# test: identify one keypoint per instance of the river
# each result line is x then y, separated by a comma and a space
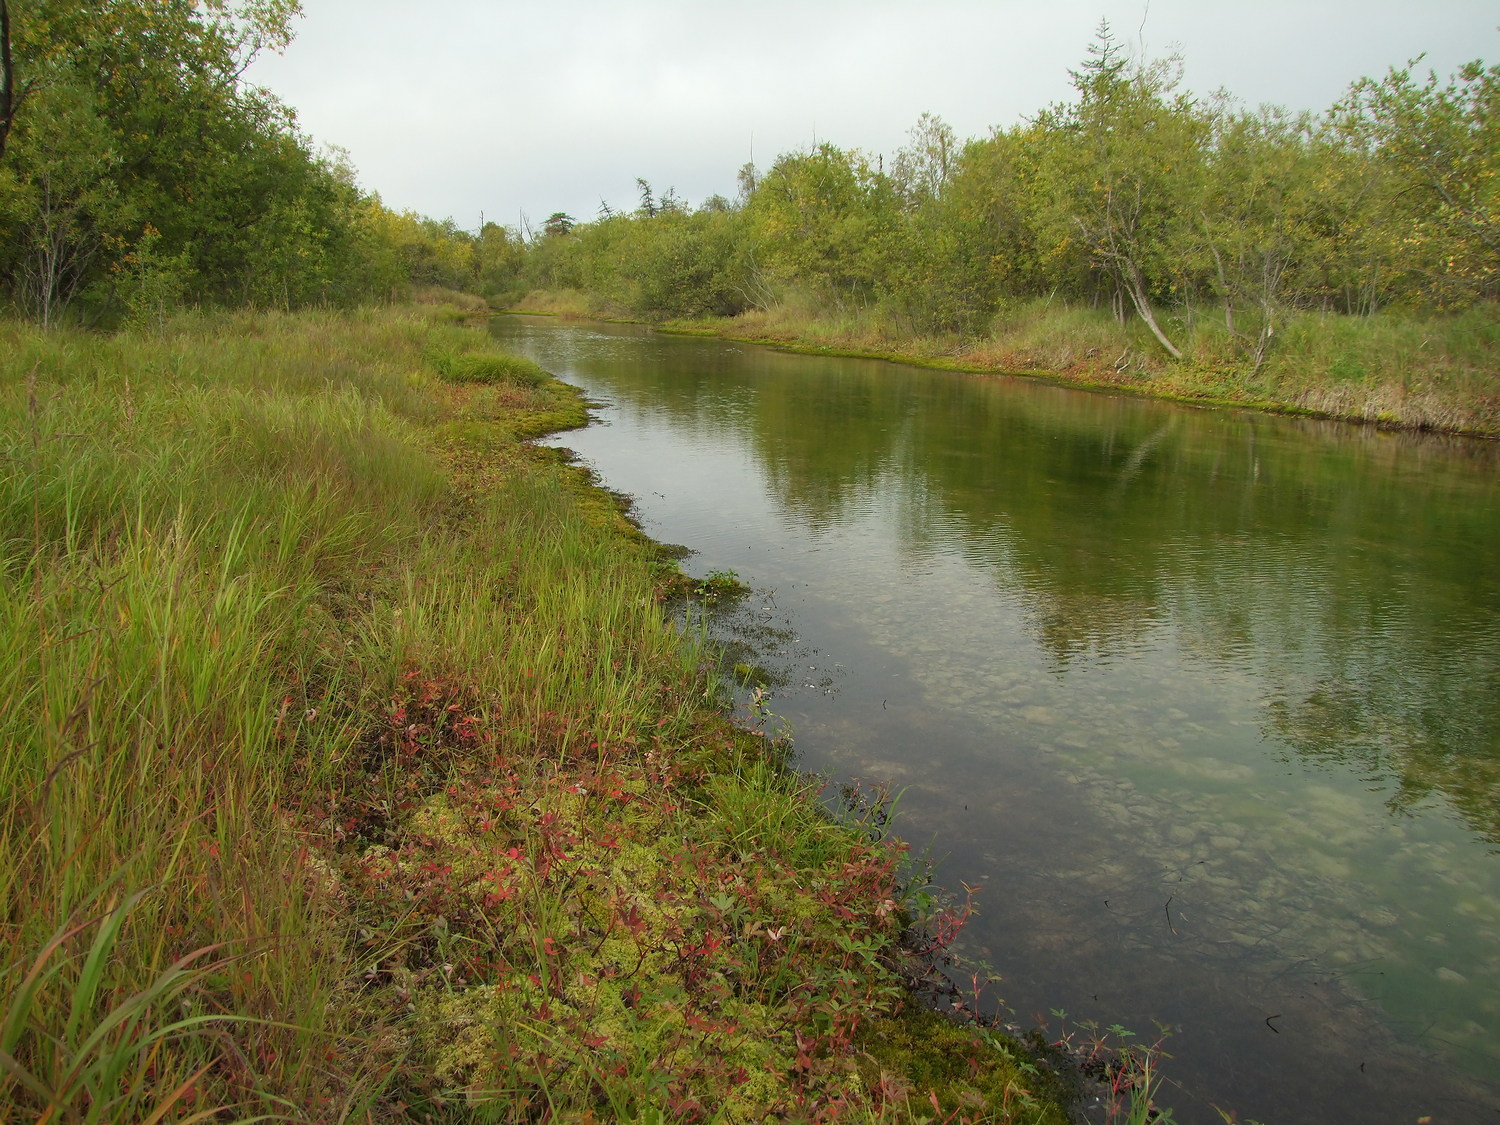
1204, 703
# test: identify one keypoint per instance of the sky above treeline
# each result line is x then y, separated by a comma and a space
512, 111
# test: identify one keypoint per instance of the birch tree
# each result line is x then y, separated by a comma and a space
1122, 164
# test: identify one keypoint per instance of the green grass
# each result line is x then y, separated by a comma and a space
182, 528
486, 367
1398, 368
460, 355
352, 771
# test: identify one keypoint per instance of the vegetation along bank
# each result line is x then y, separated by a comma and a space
354, 772
1136, 236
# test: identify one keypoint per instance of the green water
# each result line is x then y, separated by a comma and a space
1207, 704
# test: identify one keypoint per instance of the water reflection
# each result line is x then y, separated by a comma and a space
1208, 700
1357, 566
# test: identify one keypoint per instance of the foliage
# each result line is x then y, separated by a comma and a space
1440, 146
1119, 169
718, 586
826, 220
1215, 235
558, 224
140, 173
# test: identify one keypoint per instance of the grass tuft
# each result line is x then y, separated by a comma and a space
460, 355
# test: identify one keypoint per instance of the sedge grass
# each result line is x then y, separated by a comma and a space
171, 546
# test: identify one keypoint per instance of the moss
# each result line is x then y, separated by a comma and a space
459, 1033
493, 1041
970, 1070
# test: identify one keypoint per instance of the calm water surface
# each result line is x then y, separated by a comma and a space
1207, 704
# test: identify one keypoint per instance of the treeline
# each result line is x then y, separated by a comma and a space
1188, 213
138, 171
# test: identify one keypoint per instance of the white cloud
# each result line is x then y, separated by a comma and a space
461, 106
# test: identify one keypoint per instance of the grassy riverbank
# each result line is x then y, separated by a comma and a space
1436, 372
352, 771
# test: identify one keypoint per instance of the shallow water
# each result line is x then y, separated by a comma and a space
1206, 703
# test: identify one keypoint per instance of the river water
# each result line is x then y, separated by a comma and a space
1205, 703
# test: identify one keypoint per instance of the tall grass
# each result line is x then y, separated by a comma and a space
1430, 371
182, 522
1398, 368
459, 355
568, 303
221, 546
331, 717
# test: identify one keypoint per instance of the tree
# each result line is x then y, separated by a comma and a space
1122, 164
1254, 221
500, 258
7, 77
922, 168
682, 265
746, 179
65, 207
558, 224
648, 208
826, 220
976, 243
1441, 144
132, 145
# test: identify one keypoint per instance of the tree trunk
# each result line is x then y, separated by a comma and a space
1135, 285
1225, 288
1116, 252
7, 78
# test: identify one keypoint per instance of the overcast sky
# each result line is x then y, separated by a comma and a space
453, 108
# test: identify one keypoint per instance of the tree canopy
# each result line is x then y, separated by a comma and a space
139, 170
1132, 194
